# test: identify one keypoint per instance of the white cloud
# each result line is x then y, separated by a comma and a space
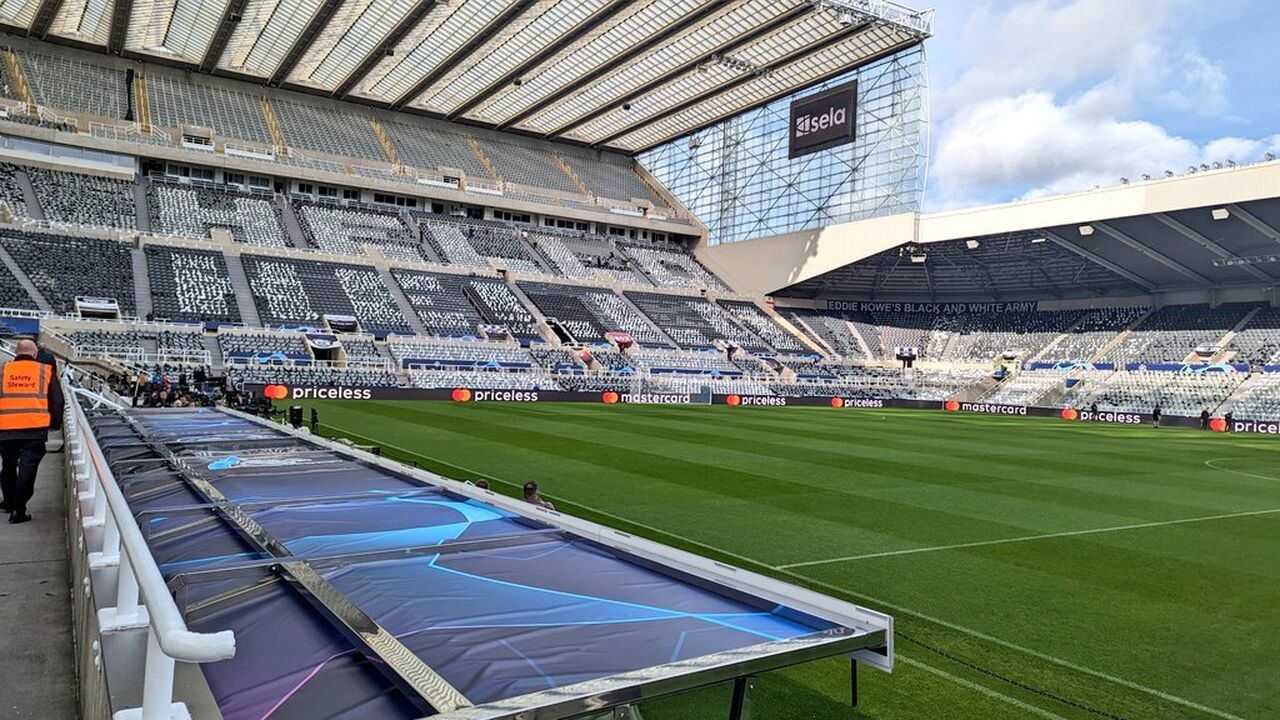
1062, 95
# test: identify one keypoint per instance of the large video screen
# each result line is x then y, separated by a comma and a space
823, 121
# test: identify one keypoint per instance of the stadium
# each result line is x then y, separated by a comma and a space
516, 359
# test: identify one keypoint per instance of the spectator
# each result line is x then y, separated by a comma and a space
532, 497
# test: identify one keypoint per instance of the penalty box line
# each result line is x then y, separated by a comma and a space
1029, 538
1169, 697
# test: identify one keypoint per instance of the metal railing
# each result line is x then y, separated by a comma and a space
142, 599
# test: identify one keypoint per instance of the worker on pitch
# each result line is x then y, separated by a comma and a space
30, 404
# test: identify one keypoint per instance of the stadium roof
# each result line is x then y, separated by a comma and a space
628, 74
1209, 231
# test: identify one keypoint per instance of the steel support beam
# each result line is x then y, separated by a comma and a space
120, 14
324, 13
384, 48
226, 26
47, 11
596, 20
1159, 257
1255, 222
743, 79
1208, 244
729, 47
653, 41
475, 42
1095, 258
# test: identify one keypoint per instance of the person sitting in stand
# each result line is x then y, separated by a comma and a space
532, 497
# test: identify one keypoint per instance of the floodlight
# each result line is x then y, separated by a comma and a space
1191, 169
1204, 167
971, 244
1220, 214
1269, 157
1124, 181
1231, 163
1145, 176
1038, 240
1086, 230
1168, 173
695, 142
1217, 165
919, 259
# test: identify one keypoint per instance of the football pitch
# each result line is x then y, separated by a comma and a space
1036, 568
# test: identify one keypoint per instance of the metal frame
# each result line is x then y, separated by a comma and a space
867, 635
864, 634
740, 183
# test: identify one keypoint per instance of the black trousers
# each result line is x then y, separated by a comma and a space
20, 460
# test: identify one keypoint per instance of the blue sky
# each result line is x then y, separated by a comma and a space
1048, 96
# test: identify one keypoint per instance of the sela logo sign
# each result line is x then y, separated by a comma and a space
810, 124
823, 121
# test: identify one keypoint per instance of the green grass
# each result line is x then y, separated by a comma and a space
1166, 621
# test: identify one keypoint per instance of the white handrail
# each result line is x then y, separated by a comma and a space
175, 639
142, 598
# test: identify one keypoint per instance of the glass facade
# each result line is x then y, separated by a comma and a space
736, 178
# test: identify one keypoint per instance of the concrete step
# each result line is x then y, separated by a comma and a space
547, 333
141, 204
215, 353
34, 210
24, 281
141, 282
244, 295
661, 332
292, 226
406, 308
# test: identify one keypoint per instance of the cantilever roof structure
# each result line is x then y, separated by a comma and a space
627, 74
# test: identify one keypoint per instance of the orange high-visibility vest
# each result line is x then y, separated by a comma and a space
24, 395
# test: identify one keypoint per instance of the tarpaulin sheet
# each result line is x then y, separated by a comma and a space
535, 609
505, 622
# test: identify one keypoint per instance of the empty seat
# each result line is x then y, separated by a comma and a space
63, 268
190, 285
70, 197
193, 210
302, 292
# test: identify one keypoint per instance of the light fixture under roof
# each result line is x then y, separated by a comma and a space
1220, 213
1038, 240
971, 244
1086, 230
919, 259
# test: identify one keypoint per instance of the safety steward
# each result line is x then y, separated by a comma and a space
30, 404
